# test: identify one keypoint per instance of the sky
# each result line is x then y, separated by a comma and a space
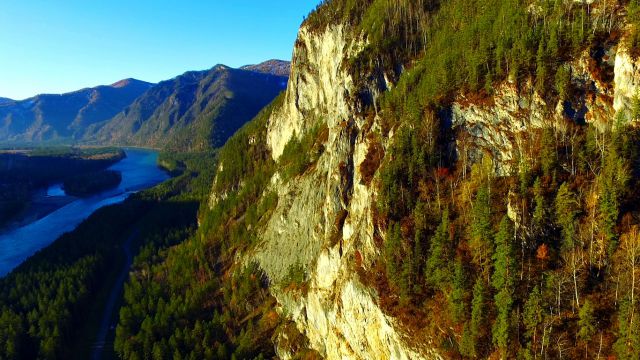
57, 46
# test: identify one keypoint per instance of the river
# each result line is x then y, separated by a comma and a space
139, 171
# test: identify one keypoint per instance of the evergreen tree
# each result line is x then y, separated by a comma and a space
541, 67
563, 81
406, 279
503, 280
392, 249
478, 318
438, 271
532, 317
566, 212
539, 212
587, 321
458, 303
481, 233
467, 342
548, 154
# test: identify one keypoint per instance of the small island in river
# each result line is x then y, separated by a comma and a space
90, 183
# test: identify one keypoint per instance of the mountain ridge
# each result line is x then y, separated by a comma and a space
55, 117
273, 67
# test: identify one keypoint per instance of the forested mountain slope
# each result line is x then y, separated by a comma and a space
195, 111
65, 117
440, 180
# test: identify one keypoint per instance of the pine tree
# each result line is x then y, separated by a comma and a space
438, 273
548, 155
587, 321
481, 229
478, 316
566, 213
541, 68
539, 212
467, 343
406, 279
503, 280
533, 317
563, 81
504, 256
393, 246
457, 300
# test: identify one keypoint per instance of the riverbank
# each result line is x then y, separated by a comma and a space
40, 206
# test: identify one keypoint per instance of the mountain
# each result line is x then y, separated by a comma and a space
67, 116
440, 180
193, 111
5, 101
273, 67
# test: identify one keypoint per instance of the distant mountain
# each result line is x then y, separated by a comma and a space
192, 111
4, 101
67, 116
273, 67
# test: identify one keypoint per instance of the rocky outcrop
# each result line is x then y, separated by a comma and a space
494, 127
501, 125
318, 87
626, 80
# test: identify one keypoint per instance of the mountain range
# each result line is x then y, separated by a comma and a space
191, 111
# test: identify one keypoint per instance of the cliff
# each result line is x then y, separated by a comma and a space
324, 223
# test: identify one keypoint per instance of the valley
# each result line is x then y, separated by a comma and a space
424, 180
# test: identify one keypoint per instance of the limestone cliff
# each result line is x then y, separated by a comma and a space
337, 313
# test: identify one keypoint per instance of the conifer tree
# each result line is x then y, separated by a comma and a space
481, 233
393, 246
458, 302
503, 281
438, 273
533, 312
539, 212
477, 324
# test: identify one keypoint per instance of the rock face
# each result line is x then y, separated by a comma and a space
321, 86
323, 219
626, 80
499, 126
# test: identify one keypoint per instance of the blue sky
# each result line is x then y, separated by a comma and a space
55, 46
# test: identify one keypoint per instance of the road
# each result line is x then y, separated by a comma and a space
106, 324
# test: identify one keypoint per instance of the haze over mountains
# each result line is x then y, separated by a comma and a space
191, 111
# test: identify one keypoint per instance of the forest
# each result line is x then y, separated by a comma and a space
50, 305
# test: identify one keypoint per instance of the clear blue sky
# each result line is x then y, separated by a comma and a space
55, 46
